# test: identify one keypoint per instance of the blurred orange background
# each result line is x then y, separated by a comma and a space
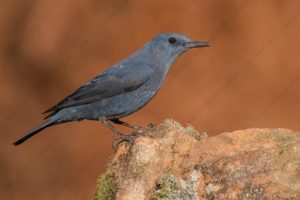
249, 77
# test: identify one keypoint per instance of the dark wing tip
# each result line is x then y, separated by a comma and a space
49, 110
18, 142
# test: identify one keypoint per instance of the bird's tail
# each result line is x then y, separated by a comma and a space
34, 131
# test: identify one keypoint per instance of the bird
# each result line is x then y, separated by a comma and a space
122, 89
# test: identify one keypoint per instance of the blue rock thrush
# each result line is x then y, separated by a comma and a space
122, 89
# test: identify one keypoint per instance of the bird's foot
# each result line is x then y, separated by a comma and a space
124, 138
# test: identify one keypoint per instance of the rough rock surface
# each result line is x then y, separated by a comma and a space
172, 162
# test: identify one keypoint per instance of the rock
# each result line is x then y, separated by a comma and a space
171, 162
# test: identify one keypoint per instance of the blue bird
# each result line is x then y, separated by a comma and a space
122, 89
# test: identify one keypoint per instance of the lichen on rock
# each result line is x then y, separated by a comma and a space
189, 130
107, 187
167, 189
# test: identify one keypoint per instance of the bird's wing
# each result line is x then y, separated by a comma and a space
116, 80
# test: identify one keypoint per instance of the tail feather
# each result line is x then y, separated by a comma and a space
33, 132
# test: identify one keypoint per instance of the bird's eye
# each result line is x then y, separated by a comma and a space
172, 40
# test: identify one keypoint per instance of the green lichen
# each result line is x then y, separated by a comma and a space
171, 123
189, 130
195, 134
167, 189
107, 187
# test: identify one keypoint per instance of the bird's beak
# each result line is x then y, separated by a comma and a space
196, 44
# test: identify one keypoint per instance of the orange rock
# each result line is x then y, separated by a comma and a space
245, 164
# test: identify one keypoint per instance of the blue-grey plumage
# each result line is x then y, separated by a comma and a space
122, 89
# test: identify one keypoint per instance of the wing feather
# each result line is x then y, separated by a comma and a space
116, 80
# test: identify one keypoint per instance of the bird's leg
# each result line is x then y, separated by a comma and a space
118, 121
123, 138
105, 122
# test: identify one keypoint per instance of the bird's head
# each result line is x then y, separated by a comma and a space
168, 46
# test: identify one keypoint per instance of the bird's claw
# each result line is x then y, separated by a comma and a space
123, 138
